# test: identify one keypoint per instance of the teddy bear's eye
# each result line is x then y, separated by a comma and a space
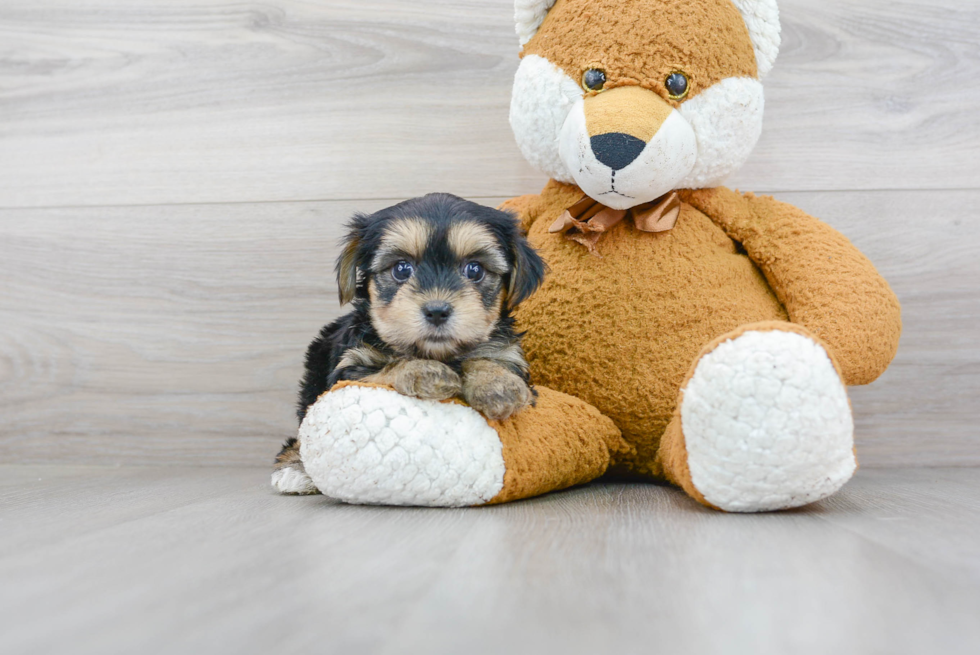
593, 80
677, 85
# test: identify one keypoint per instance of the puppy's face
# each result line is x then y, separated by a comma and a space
436, 289
439, 273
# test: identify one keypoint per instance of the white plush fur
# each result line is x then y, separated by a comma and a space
761, 19
767, 424
529, 14
668, 158
548, 122
374, 446
727, 121
542, 99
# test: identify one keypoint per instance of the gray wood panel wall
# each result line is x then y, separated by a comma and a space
174, 176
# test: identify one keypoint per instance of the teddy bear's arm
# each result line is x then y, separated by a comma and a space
825, 283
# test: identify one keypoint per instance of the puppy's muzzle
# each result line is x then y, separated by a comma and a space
437, 312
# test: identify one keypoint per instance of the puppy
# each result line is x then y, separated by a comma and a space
433, 282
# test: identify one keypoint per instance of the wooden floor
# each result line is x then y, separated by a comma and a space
155, 560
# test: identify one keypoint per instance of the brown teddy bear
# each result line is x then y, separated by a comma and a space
685, 332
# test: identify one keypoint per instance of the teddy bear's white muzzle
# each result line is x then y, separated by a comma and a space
622, 171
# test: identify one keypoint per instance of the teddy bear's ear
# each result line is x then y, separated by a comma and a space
761, 17
529, 14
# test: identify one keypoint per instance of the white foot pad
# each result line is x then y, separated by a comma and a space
767, 424
374, 446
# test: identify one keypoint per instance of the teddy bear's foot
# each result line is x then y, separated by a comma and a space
765, 423
374, 446
367, 444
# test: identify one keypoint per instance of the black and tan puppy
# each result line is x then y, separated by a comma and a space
432, 282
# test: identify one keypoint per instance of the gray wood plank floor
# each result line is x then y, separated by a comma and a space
186, 560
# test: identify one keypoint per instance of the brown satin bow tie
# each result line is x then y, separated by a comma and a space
587, 220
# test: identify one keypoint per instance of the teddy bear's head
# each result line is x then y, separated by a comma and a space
630, 99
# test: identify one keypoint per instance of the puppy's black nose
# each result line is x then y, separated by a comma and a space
617, 150
437, 312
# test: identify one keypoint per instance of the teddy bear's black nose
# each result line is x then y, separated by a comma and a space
437, 312
617, 150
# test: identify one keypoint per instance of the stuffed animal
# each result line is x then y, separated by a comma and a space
685, 332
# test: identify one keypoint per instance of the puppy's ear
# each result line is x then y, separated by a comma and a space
347, 263
528, 272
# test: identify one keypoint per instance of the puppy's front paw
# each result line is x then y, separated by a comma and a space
495, 392
427, 379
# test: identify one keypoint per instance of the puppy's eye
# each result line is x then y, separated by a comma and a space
402, 271
474, 272
593, 80
678, 85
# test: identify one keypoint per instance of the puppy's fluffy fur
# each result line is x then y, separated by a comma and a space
432, 282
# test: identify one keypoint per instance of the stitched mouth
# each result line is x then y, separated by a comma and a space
621, 195
612, 184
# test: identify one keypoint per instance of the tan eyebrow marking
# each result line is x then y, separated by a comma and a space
467, 239
407, 235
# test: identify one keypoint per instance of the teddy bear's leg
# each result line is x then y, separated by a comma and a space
367, 444
763, 422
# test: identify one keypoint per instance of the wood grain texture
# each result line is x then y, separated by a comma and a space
170, 560
110, 102
175, 335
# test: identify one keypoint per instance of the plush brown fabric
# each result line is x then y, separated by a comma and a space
824, 282
523, 207
672, 463
622, 332
642, 43
559, 443
629, 110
